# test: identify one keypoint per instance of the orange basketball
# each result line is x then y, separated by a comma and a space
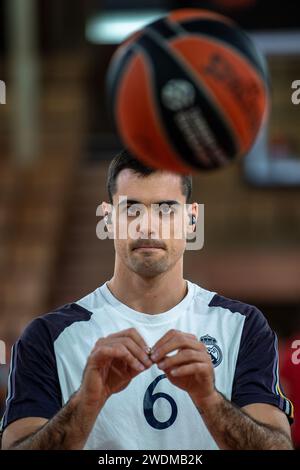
188, 92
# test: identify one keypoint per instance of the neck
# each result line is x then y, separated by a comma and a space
149, 295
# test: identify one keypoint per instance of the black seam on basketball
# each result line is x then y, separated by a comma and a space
198, 82
163, 131
212, 160
179, 31
171, 136
227, 36
114, 90
163, 27
225, 129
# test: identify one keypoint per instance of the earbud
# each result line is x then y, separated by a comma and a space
192, 219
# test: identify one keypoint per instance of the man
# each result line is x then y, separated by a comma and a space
148, 360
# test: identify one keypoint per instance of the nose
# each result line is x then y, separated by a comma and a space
148, 225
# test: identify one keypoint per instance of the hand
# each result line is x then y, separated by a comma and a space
112, 364
190, 368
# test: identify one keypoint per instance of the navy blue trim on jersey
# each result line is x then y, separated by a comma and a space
33, 384
256, 378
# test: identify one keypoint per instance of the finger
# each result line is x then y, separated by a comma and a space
179, 341
134, 335
136, 350
166, 337
133, 347
118, 351
190, 369
124, 370
184, 356
163, 339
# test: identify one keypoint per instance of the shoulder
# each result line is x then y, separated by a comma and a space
251, 313
48, 327
251, 316
255, 326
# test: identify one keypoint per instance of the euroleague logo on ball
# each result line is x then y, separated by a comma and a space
178, 94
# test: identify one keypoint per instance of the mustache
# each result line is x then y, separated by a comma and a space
142, 243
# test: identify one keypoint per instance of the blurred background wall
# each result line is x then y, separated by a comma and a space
56, 141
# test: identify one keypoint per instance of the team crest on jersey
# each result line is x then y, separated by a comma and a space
213, 349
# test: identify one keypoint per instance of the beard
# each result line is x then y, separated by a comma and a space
148, 265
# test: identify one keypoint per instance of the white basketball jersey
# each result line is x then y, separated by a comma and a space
151, 413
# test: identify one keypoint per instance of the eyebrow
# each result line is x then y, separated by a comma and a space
132, 201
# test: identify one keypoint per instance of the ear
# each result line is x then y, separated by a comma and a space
192, 216
105, 208
107, 211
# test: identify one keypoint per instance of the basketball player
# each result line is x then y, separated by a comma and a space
149, 360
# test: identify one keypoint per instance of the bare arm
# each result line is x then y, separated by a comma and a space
256, 427
113, 363
20, 429
68, 429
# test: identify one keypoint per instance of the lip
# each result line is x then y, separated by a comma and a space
149, 248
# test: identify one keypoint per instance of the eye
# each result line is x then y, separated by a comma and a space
166, 209
132, 211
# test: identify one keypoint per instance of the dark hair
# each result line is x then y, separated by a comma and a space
125, 160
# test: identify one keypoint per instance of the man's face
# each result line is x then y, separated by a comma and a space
155, 214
